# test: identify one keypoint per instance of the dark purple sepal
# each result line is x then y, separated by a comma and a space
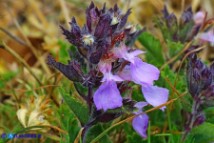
100, 50
193, 78
124, 19
187, 16
103, 26
69, 36
72, 71
75, 29
104, 8
116, 9
165, 12
96, 56
131, 38
88, 16
171, 21
206, 78
209, 92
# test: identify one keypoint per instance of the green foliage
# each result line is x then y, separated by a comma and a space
167, 34
202, 134
69, 123
4, 78
209, 112
185, 30
131, 135
65, 48
79, 109
153, 47
137, 93
174, 47
94, 131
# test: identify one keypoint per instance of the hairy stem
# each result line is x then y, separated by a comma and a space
190, 123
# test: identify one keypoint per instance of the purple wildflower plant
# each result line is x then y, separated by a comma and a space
105, 45
201, 88
181, 29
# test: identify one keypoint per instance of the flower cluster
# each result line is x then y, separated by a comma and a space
179, 29
200, 79
105, 43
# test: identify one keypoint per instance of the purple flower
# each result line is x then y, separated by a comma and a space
143, 74
138, 71
107, 96
141, 120
140, 124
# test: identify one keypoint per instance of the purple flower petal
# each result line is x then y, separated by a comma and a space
109, 76
140, 124
199, 17
140, 105
155, 95
107, 96
136, 53
122, 52
208, 36
142, 72
104, 67
125, 73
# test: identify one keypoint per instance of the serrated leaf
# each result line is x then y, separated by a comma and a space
153, 47
174, 47
79, 109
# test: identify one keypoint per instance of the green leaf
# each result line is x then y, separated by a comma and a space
174, 47
203, 133
94, 131
209, 113
153, 47
64, 51
79, 109
69, 123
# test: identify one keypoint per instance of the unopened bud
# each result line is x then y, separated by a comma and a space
199, 120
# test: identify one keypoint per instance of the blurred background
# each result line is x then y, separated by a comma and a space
37, 21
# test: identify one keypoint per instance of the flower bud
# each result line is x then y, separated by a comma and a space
186, 17
199, 120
